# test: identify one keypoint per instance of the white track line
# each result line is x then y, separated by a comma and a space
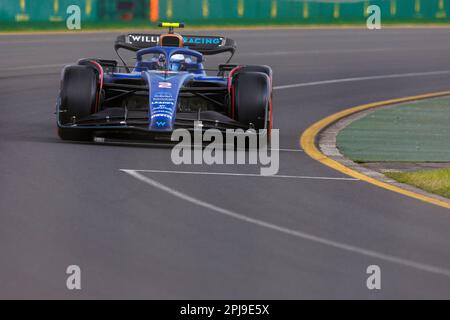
288, 150
314, 52
42, 66
344, 80
290, 86
240, 175
290, 232
102, 141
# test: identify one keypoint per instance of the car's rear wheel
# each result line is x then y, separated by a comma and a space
252, 99
78, 100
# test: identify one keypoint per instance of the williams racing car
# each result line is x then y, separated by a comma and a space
165, 89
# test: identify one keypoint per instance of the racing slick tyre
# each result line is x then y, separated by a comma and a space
264, 69
77, 101
252, 96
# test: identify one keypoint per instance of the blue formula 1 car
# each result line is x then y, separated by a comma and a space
166, 89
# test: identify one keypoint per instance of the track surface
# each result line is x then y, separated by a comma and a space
65, 203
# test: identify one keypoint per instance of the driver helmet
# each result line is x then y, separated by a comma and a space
177, 61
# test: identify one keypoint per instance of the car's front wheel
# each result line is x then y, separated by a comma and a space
78, 99
252, 99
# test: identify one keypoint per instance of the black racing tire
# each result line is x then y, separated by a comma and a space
252, 94
254, 68
78, 99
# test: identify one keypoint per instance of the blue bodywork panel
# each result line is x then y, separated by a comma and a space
163, 96
165, 83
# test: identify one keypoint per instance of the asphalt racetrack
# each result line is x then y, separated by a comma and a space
157, 234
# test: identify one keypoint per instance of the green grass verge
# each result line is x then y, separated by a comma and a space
434, 181
409, 132
44, 26
10, 27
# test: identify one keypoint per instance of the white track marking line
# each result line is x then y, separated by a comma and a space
56, 40
240, 175
290, 232
102, 141
381, 77
288, 150
42, 66
290, 86
314, 52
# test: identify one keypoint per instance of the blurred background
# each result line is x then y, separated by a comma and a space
51, 14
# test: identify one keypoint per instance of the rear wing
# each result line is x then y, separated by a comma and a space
207, 45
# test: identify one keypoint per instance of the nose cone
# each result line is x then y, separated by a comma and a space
160, 123
163, 96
